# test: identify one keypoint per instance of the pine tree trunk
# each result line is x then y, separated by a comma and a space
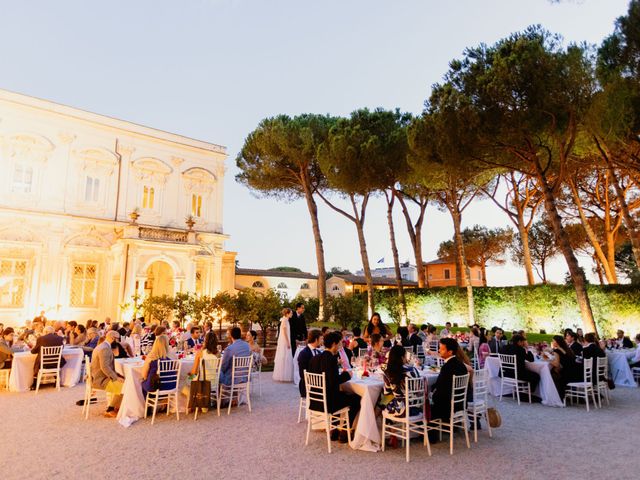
562, 240
526, 251
465, 277
322, 271
415, 235
365, 258
598, 270
396, 261
483, 269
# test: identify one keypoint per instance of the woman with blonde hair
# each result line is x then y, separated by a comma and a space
159, 351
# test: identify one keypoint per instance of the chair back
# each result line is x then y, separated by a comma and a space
316, 389
169, 373
362, 352
459, 393
420, 351
588, 369
602, 369
409, 350
480, 385
433, 346
87, 371
508, 366
414, 394
211, 369
300, 344
241, 372
135, 344
439, 361
50, 357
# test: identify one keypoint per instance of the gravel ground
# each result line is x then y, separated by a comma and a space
44, 437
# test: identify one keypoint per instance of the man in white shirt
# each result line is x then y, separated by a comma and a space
446, 331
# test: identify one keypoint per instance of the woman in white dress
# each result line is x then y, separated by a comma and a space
283, 363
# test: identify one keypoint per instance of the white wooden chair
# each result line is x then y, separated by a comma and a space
50, 358
582, 390
478, 408
317, 392
509, 374
169, 373
256, 373
602, 386
636, 374
420, 352
4, 378
301, 408
240, 382
458, 414
210, 370
434, 345
402, 427
409, 350
439, 361
89, 391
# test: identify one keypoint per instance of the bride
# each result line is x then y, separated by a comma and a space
283, 363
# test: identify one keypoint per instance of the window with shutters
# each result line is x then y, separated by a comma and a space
196, 205
148, 197
12, 282
22, 178
84, 285
91, 189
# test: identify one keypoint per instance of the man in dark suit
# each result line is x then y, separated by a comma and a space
298, 326
441, 398
48, 339
517, 347
592, 350
622, 341
327, 363
572, 341
497, 343
305, 356
414, 338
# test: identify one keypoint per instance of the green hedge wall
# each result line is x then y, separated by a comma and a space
532, 308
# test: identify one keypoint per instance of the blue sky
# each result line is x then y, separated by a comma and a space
212, 69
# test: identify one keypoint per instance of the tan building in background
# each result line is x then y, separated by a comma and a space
442, 273
346, 284
93, 210
291, 284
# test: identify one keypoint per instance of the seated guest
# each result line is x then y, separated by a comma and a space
148, 337
404, 336
563, 366
635, 361
175, 328
324, 330
474, 341
592, 350
483, 349
414, 338
6, 352
237, 348
159, 351
376, 325
518, 348
70, 331
48, 339
103, 373
80, 336
622, 341
580, 336
92, 341
441, 397
209, 350
194, 339
357, 342
572, 342
306, 354
432, 334
121, 350
423, 332
256, 351
394, 373
327, 363
497, 343
446, 331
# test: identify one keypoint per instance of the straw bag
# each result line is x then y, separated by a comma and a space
495, 420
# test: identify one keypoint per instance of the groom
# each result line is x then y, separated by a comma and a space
297, 326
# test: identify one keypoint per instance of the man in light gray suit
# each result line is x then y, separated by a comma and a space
103, 373
238, 348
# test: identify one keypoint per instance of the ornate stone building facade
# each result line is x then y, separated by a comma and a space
94, 210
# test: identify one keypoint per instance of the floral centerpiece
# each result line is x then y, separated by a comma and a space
541, 347
461, 337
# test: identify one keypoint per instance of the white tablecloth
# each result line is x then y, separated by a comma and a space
132, 406
546, 389
21, 375
367, 432
619, 368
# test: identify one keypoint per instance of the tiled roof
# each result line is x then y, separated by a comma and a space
381, 281
274, 273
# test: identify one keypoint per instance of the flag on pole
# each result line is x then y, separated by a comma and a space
381, 260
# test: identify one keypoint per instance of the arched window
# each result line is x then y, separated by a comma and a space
336, 288
282, 285
304, 286
257, 284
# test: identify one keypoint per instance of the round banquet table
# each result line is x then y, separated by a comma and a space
619, 368
132, 406
367, 432
21, 375
546, 389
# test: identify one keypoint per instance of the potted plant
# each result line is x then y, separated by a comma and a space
190, 221
134, 215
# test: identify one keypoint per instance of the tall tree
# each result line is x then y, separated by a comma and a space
531, 95
542, 247
349, 158
481, 247
520, 204
279, 159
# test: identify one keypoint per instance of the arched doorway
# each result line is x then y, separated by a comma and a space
159, 279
